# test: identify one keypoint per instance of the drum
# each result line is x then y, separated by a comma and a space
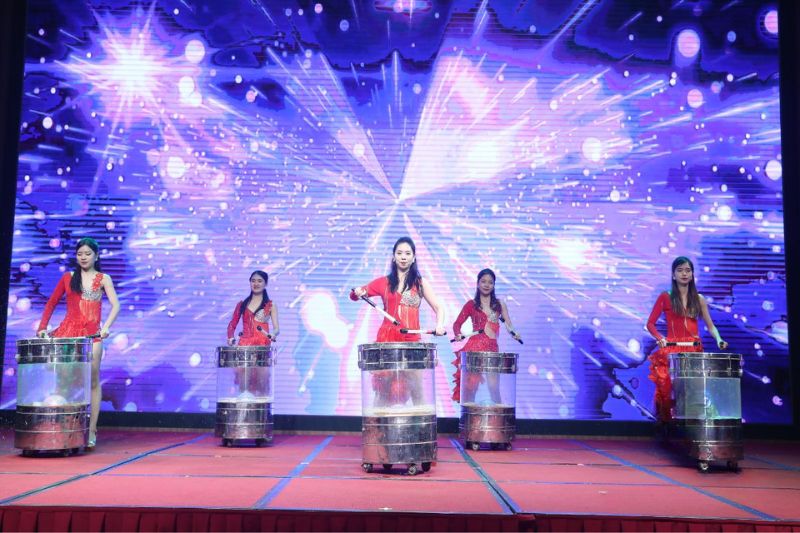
398, 393
488, 399
245, 385
53, 394
707, 421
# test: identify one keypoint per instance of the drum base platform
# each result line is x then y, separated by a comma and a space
399, 440
62, 429
708, 441
489, 426
244, 421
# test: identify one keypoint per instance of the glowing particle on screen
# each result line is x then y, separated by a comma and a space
626, 73
250, 96
776, 400
731, 36
553, 105
320, 315
176, 168
563, 411
742, 170
417, 88
55, 243
120, 341
771, 22
688, 43
767, 305
729, 77
24, 267
630, 37
130, 407
344, 25
716, 87
195, 51
195, 359
204, 403
153, 156
765, 380
317, 8
596, 322
664, 249
592, 149
694, 98
773, 169
238, 78
358, 150
634, 346
776, 248
724, 213
47, 123
533, 369
659, 18
614, 196
23, 304
254, 146
288, 12
185, 86
673, 82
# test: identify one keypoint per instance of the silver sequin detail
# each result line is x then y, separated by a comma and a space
260, 315
492, 316
410, 299
91, 294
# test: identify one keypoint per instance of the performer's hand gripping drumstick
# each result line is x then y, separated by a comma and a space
511, 331
273, 338
389, 317
467, 336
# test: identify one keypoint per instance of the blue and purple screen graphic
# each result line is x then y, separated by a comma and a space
575, 147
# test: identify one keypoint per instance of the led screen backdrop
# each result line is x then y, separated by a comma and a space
576, 147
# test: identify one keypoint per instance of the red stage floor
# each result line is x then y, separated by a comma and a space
176, 480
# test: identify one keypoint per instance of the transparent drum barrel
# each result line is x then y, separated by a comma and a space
398, 392
488, 398
53, 394
245, 385
706, 389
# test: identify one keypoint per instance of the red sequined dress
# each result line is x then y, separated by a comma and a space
680, 328
391, 387
404, 307
83, 309
250, 322
477, 343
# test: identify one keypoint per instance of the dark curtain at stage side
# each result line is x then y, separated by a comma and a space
12, 39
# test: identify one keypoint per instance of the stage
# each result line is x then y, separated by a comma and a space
148, 480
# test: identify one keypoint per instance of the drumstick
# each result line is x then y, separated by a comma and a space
511, 331
405, 331
468, 335
267, 335
683, 343
389, 317
93, 336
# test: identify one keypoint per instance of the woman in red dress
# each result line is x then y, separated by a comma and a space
255, 311
402, 292
84, 288
485, 311
682, 305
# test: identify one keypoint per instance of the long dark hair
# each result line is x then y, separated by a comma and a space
76, 284
494, 304
413, 278
692, 297
264, 297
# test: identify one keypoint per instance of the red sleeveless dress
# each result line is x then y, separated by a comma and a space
250, 322
477, 343
680, 328
404, 307
83, 309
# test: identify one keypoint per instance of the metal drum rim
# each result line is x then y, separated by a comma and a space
487, 354
236, 349
397, 346
705, 355
36, 341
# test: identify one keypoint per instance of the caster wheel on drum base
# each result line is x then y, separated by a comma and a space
733, 466
65, 453
28, 453
227, 443
367, 467
475, 446
387, 467
412, 469
507, 446
702, 466
426, 467
260, 442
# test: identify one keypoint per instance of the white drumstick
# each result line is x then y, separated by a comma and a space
683, 343
405, 331
267, 335
468, 335
389, 317
511, 331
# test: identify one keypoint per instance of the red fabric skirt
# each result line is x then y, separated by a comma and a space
659, 374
